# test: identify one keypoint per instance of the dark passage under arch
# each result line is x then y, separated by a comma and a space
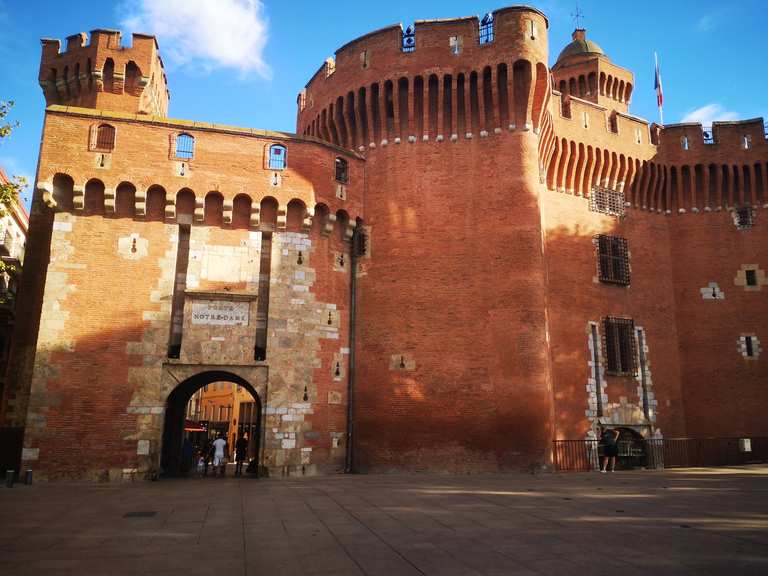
175, 415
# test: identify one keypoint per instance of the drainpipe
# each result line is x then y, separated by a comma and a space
349, 462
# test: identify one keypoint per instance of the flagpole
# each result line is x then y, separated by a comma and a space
658, 80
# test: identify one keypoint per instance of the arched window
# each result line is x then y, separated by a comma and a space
277, 159
342, 170
185, 146
105, 138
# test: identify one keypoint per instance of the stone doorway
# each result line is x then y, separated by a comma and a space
172, 458
633, 451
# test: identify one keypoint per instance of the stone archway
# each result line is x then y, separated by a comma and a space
633, 452
189, 379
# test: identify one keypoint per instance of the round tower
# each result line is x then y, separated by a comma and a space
452, 357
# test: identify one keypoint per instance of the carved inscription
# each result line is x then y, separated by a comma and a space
220, 313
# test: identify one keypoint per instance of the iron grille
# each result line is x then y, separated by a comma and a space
105, 138
607, 201
277, 157
342, 170
486, 29
744, 218
409, 39
185, 146
619, 345
613, 259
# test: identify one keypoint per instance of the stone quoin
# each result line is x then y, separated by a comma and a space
461, 255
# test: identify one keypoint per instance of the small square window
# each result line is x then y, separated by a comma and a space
185, 146
342, 170
607, 201
277, 160
105, 138
486, 29
455, 43
744, 217
613, 259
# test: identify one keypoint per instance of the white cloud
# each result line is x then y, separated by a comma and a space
710, 113
204, 33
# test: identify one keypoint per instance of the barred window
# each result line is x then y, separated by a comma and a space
607, 201
185, 146
277, 157
342, 170
613, 259
486, 29
744, 218
409, 39
105, 138
619, 345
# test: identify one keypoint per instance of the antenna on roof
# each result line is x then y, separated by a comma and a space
578, 16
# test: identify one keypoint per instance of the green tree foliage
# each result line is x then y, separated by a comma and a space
9, 191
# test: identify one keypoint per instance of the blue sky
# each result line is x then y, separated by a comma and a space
242, 62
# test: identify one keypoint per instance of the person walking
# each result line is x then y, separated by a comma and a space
241, 447
610, 438
219, 454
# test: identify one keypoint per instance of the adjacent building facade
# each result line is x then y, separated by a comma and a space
461, 255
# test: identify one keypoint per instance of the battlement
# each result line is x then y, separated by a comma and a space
449, 73
735, 136
99, 72
601, 119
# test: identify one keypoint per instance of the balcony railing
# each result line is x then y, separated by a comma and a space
585, 455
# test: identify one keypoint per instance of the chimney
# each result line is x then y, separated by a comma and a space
579, 34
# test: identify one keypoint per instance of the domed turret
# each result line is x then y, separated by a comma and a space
580, 46
583, 70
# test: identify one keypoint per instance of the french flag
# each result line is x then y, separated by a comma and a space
657, 84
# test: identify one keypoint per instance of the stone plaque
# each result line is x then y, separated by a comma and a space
220, 312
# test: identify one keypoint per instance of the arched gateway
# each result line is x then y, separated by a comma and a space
176, 408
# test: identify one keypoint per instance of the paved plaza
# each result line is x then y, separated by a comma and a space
694, 521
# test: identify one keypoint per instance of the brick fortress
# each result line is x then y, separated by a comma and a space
461, 255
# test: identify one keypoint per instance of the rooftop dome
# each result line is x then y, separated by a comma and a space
580, 46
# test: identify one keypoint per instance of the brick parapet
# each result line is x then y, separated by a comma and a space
308, 177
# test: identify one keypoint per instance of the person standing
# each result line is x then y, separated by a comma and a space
610, 440
241, 447
219, 454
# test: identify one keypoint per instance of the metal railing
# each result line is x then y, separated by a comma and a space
585, 455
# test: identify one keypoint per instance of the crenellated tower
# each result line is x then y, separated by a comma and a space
105, 75
452, 355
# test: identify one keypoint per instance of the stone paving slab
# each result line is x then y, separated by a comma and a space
694, 521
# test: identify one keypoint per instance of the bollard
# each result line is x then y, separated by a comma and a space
28, 478
9, 476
